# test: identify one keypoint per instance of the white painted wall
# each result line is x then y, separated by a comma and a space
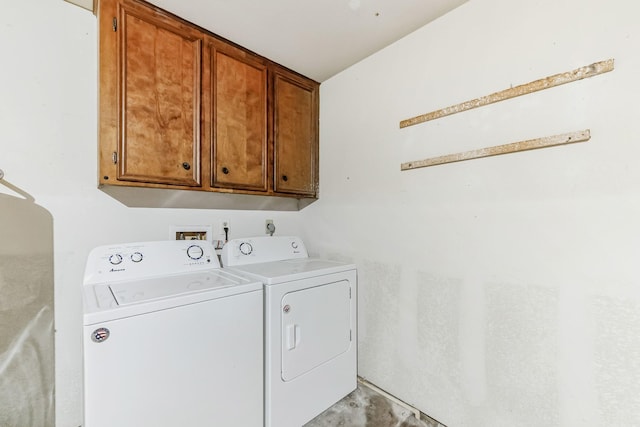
495, 292
48, 146
500, 292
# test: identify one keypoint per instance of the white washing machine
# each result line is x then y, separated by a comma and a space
170, 339
310, 325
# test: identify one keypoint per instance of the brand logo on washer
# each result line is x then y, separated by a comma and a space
100, 335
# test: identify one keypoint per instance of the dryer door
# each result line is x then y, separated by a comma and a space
315, 327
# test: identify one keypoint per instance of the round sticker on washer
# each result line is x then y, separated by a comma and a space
100, 335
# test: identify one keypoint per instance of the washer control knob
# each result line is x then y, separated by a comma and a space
195, 252
115, 259
246, 248
136, 257
294, 244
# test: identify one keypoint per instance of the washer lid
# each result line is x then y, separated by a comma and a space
164, 287
117, 300
272, 273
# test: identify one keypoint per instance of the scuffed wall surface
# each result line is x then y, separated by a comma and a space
520, 354
499, 292
617, 358
26, 314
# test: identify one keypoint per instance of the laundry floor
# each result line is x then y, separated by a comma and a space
365, 407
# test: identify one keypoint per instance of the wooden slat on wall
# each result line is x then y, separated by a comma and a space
532, 144
537, 85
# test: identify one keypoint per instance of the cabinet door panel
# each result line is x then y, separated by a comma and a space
240, 123
296, 137
159, 86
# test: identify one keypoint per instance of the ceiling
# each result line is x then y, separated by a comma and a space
317, 38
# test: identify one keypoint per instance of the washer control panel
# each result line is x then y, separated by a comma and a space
253, 250
132, 261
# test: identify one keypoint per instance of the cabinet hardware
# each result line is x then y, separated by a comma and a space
115, 24
225, 171
186, 166
285, 178
114, 157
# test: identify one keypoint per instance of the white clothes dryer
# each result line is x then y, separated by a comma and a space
170, 339
310, 325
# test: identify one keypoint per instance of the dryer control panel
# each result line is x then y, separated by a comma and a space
253, 250
135, 261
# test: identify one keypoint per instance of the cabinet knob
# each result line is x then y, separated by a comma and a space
285, 178
225, 170
186, 166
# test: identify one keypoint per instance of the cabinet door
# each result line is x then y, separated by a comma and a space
295, 135
239, 122
159, 69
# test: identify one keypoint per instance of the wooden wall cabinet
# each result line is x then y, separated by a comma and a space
239, 134
183, 109
295, 118
150, 86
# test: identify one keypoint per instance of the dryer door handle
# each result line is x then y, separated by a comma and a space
293, 336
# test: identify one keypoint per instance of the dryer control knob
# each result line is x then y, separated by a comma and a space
115, 259
246, 248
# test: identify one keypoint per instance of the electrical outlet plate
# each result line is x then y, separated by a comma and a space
267, 222
226, 223
191, 232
